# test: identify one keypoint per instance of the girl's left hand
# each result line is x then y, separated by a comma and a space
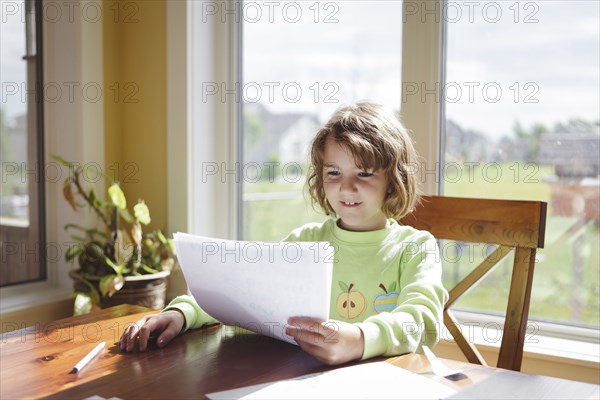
331, 342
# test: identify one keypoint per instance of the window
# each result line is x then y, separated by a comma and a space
301, 61
522, 121
22, 212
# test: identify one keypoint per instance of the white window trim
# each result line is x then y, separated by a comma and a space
202, 129
422, 66
543, 338
73, 129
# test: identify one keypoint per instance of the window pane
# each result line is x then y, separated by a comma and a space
22, 231
301, 61
522, 122
13, 119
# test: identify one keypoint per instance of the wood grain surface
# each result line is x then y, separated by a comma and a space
35, 363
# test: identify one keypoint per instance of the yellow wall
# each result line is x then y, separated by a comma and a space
135, 106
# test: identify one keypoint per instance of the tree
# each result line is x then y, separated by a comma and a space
5, 148
530, 139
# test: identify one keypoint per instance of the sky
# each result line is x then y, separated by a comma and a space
534, 61
12, 67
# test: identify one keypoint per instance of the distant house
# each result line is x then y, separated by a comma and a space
573, 155
283, 137
575, 184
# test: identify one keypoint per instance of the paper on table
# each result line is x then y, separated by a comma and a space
377, 380
505, 384
257, 285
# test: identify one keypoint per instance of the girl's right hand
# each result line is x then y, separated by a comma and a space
166, 325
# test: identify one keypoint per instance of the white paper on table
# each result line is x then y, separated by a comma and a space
257, 285
377, 380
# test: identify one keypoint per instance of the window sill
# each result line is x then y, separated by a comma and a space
537, 346
546, 352
21, 297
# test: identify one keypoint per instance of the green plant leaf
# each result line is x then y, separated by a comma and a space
117, 268
171, 246
343, 286
141, 212
161, 237
94, 250
75, 226
149, 244
125, 215
117, 196
148, 269
73, 252
392, 287
61, 160
83, 304
96, 202
111, 284
92, 195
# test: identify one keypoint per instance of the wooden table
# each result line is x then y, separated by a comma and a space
35, 362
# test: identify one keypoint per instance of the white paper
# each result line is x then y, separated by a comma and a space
377, 380
257, 285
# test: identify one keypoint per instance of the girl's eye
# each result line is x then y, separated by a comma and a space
365, 174
333, 173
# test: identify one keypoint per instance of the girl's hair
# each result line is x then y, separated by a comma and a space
377, 140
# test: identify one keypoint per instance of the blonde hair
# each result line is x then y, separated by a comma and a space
377, 140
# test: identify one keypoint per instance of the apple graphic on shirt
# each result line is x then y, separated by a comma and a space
387, 301
350, 304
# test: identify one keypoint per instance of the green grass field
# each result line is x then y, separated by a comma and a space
556, 294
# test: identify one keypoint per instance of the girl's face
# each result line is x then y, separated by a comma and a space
355, 195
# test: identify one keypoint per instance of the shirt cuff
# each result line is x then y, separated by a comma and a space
189, 314
374, 343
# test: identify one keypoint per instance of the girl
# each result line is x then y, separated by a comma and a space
387, 296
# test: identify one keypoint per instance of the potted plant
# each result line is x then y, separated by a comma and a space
116, 265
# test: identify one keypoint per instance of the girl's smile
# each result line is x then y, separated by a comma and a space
350, 204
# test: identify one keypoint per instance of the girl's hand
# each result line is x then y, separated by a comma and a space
331, 342
167, 325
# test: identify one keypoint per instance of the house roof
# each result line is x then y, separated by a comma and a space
567, 148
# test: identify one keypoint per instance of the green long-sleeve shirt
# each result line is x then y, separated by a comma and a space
388, 282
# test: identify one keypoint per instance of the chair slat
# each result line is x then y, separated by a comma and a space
469, 350
517, 310
507, 222
477, 274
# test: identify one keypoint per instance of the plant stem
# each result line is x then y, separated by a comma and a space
87, 198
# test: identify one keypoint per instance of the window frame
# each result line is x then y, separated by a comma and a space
74, 130
34, 268
435, 140
205, 129
423, 62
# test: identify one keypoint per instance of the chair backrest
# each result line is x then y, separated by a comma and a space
509, 224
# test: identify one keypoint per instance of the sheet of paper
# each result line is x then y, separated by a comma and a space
504, 384
257, 285
378, 380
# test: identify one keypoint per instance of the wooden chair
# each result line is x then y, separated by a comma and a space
518, 225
